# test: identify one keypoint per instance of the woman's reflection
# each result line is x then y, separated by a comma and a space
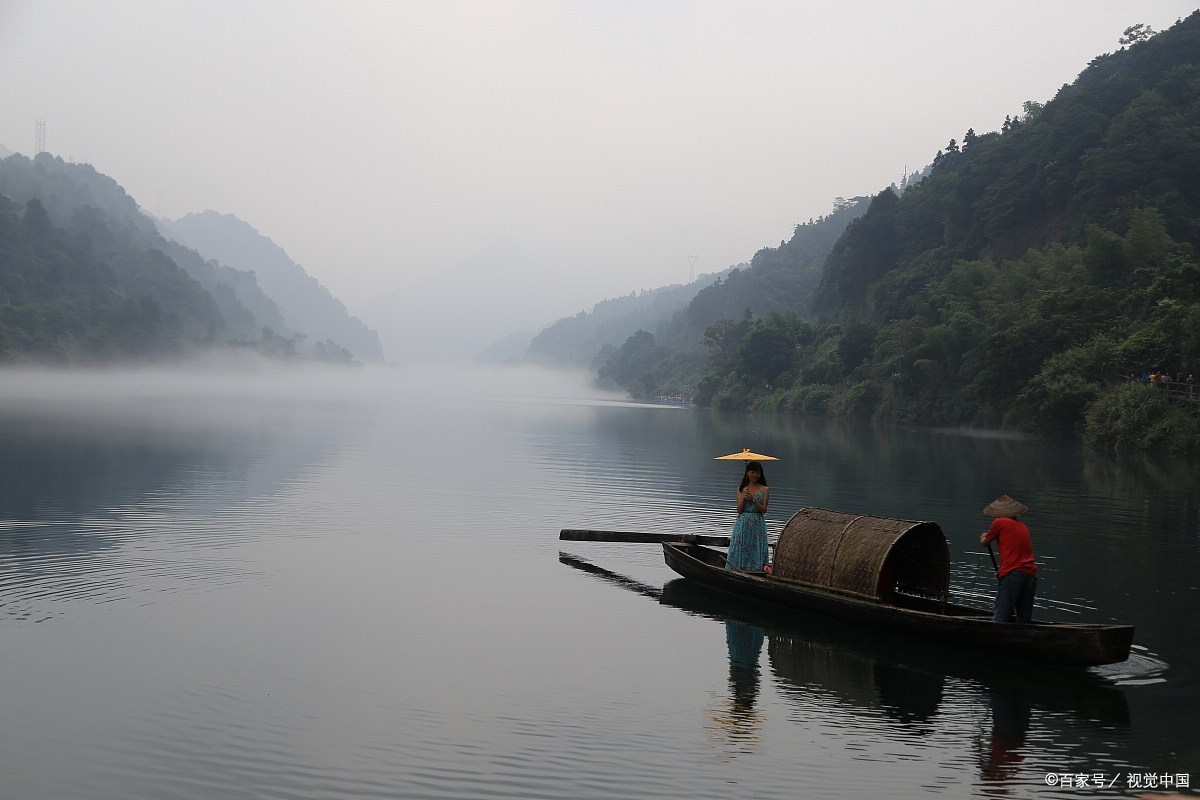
737, 719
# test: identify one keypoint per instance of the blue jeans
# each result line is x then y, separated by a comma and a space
1015, 596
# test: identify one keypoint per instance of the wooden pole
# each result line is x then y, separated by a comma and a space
634, 537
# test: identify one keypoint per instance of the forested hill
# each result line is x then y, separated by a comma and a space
575, 342
777, 280
85, 277
653, 344
305, 304
1123, 137
1016, 283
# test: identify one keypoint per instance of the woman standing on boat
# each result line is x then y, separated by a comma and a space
1017, 571
748, 544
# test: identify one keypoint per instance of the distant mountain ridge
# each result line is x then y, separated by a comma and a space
653, 343
575, 342
306, 306
92, 205
86, 277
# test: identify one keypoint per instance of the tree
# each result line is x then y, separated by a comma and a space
38, 228
1105, 254
767, 349
633, 364
865, 253
1136, 33
723, 338
1147, 242
855, 346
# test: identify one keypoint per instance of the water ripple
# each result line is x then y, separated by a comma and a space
369, 603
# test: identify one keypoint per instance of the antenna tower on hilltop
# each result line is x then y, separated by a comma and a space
39, 136
692, 269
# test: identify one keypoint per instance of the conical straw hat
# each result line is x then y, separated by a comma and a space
1004, 506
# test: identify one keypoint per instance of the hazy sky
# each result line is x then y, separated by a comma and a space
601, 144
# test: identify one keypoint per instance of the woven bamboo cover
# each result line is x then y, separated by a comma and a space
869, 556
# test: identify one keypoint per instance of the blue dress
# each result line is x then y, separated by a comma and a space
748, 544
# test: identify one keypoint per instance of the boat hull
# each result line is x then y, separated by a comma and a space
1044, 642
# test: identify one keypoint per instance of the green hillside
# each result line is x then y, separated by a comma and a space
85, 278
666, 355
576, 342
1017, 283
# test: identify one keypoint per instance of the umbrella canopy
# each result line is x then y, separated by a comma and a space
745, 455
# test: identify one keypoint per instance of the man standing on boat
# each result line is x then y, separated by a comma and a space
1017, 570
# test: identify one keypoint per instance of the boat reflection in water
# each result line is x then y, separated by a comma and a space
811, 666
839, 676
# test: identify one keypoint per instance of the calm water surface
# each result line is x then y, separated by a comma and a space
315, 585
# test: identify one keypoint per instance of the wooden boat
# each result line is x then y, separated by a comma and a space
891, 574
867, 668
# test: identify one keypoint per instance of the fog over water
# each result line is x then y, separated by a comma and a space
230, 377
266, 581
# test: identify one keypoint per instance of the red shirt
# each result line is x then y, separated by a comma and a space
1016, 548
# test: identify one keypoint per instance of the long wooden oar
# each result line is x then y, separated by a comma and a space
634, 537
992, 553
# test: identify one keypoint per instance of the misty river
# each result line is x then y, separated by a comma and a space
348, 584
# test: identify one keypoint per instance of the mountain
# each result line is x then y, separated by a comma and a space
574, 342
1124, 136
86, 277
109, 225
667, 356
779, 279
1026, 282
666, 326
304, 304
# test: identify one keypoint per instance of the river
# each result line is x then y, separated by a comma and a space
346, 584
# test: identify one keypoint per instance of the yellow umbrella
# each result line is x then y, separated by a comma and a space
745, 455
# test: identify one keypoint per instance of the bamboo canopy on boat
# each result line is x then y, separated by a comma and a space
866, 556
